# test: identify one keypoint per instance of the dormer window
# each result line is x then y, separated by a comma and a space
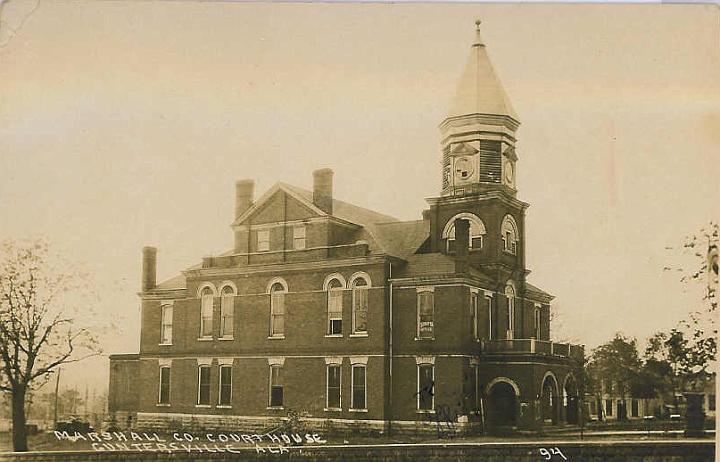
510, 235
263, 240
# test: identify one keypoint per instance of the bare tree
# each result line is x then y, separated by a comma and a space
44, 318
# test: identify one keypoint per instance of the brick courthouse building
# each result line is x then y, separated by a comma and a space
352, 317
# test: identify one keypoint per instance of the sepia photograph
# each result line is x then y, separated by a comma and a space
351, 231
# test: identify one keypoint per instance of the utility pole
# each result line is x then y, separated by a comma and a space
57, 384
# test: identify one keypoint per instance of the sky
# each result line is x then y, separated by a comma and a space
125, 124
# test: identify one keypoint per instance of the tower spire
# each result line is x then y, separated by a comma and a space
478, 38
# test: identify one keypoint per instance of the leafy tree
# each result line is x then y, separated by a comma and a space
44, 323
685, 363
614, 365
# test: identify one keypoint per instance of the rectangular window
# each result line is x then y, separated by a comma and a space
511, 316
164, 394
276, 386
537, 323
360, 309
335, 311
227, 313
426, 384
608, 407
206, 315
333, 386
263, 240
426, 313
475, 319
635, 408
203, 385
358, 387
299, 237
489, 300
473, 400
225, 396
277, 310
711, 402
166, 324
476, 242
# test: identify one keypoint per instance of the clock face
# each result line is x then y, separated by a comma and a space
509, 173
464, 168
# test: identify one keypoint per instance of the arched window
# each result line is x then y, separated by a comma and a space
477, 231
206, 312
360, 284
227, 311
334, 288
510, 235
277, 309
510, 294
538, 321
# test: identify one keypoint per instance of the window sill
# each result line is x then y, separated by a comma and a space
358, 410
206, 406
164, 344
205, 339
226, 338
333, 335
275, 408
276, 337
507, 252
420, 339
162, 405
359, 335
223, 406
425, 411
333, 409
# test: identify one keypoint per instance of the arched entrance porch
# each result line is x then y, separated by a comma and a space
549, 399
502, 403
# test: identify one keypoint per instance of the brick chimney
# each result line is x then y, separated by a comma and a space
243, 196
323, 190
462, 240
149, 268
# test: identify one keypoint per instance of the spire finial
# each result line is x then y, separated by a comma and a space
478, 39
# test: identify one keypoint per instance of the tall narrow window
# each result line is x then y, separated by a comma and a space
359, 397
276, 386
489, 302
333, 386
510, 235
426, 385
334, 307
510, 321
164, 393
277, 310
360, 287
225, 395
426, 313
475, 318
473, 400
537, 322
263, 240
206, 313
203, 385
227, 312
166, 324
299, 237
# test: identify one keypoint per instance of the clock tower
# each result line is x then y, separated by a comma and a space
479, 175
478, 134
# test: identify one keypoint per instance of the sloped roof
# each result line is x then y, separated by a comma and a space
480, 90
345, 211
401, 238
538, 292
177, 282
